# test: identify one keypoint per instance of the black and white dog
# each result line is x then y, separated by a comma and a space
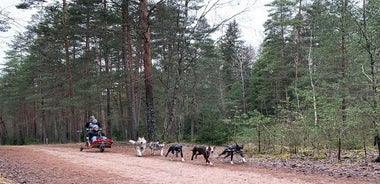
230, 150
139, 145
177, 148
206, 151
156, 145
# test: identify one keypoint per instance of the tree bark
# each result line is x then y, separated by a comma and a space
311, 71
298, 59
147, 58
3, 131
69, 76
128, 65
343, 74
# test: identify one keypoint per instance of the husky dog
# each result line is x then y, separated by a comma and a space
156, 145
139, 145
230, 150
177, 149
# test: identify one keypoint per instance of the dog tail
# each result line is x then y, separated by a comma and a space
132, 141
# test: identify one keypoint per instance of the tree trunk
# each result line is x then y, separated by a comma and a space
69, 77
3, 130
243, 95
339, 147
343, 74
67, 54
259, 137
311, 71
371, 54
128, 66
147, 58
122, 127
298, 59
107, 119
193, 115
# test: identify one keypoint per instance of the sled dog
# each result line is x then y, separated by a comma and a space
139, 145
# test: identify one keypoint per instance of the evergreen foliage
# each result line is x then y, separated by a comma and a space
313, 83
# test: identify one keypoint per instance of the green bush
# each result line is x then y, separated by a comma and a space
216, 135
352, 143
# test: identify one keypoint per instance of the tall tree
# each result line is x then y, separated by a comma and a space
129, 67
234, 68
366, 20
343, 31
147, 58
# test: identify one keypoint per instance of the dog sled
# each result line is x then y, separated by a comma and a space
101, 142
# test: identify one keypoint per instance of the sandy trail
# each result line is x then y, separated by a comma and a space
66, 164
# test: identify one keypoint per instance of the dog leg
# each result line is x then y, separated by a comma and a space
172, 154
224, 152
139, 153
206, 158
162, 152
169, 150
182, 157
194, 154
228, 155
142, 150
242, 156
232, 157
209, 162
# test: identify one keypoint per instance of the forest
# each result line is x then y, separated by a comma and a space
152, 68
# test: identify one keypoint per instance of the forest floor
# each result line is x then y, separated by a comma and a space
65, 163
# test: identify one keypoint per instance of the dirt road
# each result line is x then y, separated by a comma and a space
66, 164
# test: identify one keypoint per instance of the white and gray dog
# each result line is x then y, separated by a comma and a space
156, 145
139, 145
